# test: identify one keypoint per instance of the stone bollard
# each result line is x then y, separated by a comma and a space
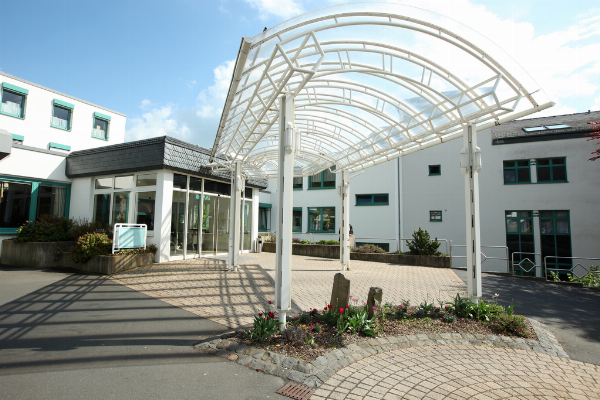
374, 300
340, 291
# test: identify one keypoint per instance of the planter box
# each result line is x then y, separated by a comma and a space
31, 254
328, 251
41, 255
106, 265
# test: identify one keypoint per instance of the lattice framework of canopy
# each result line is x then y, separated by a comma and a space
371, 82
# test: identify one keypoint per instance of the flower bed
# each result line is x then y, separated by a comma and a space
312, 334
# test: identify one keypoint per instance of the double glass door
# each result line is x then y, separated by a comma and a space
215, 225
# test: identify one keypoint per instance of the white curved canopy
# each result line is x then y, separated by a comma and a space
372, 82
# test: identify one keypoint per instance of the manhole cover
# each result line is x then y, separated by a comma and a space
296, 391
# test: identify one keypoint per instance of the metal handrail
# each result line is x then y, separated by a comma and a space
483, 254
520, 262
571, 270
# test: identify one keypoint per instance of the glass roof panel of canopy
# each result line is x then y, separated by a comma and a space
372, 82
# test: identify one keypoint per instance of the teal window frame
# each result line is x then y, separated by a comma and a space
551, 166
65, 106
296, 209
434, 173
373, 202
105, 118
53, 145
554, 262
519, 220
431, 219
18, 91
35, 184
516, 168
265, 206
322, 173
301, 183
321, 220
384, 246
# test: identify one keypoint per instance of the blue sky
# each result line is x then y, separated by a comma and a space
167, 64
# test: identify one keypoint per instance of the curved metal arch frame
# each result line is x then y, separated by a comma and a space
253, 118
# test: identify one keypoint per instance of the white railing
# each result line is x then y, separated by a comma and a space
526, 260
483, 255
11, 108
60, 123
99, 133
569, 270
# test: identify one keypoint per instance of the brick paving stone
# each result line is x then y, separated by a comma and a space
464, 372
204, 287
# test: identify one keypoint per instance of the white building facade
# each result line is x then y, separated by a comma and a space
46, 126
538, 195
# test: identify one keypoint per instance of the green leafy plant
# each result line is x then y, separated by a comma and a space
422, 244
462, 307
402, 309
368, 248
553, 276
359, 322
329, 242
316, 328
265, 325
309, 341
45, 228
420, 313
82, 226
304, 242
90, 245
510, 325
592, 279
304, 318
342, 323
329, 315
427, 307
450, 318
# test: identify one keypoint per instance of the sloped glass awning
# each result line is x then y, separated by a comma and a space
372, 82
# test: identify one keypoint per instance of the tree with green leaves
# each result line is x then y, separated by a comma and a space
422, 245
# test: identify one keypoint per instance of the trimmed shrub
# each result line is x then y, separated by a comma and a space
90, 245
46, 228
422, 245
329, 242
510, 325
83, 226
368, 248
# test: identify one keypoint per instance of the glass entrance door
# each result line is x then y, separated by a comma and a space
215, 225
177, 223
193, 233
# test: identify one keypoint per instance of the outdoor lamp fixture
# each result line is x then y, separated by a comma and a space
464, 160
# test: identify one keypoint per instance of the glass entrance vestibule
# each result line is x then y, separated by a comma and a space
200, 217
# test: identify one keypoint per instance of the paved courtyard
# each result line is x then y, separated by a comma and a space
205, 288
462, 372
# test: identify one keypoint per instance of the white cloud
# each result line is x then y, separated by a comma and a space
196, 124
212, 99
276, 8
158, 122
145, 104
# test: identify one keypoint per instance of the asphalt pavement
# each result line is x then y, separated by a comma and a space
571, 313
71, 336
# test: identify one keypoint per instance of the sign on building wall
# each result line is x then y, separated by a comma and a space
129, 236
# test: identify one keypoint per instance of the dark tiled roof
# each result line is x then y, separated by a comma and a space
156, 153
512, 132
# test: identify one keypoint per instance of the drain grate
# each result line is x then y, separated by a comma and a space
296, 391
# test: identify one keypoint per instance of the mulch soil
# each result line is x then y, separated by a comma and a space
326, 339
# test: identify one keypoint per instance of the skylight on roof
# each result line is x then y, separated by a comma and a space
557, 126
535, 129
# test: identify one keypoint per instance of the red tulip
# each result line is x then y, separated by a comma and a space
341, 310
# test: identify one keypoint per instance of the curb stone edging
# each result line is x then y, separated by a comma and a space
315, 372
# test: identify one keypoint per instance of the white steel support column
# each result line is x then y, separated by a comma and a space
344, 192
234, 215
242, 209
285, 179
470, 165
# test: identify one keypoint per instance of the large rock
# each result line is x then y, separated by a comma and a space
374, 300
340, 291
